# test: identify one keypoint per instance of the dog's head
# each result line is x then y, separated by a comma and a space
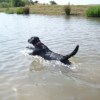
33, 40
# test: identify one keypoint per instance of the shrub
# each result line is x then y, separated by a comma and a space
20, 10
26, 10
67, 9
53, 3
36, 1
93, 11
9, 11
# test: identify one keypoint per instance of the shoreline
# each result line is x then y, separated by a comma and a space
76, 10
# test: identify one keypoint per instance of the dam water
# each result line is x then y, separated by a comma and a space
24, 77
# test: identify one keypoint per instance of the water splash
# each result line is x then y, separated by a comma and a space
37, 60
16, 94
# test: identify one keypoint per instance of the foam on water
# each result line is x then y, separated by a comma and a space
41, 61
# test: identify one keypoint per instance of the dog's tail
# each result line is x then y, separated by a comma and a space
72, 53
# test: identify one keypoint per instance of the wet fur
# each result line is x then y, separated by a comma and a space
43, 51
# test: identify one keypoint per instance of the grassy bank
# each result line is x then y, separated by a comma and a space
54, 9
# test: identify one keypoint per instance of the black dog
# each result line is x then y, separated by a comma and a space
43, 51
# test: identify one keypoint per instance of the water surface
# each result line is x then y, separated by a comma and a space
23, 77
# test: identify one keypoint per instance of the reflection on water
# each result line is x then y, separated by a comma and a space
23, 77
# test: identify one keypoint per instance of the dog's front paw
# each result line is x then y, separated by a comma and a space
30, 47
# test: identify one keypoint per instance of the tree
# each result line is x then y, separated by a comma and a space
53, 3
17, 3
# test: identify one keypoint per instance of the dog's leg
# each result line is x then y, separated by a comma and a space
30, 48
35, 52
30, 53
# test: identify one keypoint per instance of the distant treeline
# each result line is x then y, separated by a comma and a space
8, 1
26, 1
19, 3
5, 3
13, 3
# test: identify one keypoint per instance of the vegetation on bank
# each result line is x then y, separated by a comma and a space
15, 3
24, 10
9, 11
53, 3
20, 11
54, 9
93, 11
18, 6
67, 9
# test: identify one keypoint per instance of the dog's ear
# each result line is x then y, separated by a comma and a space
32, 38
36, 38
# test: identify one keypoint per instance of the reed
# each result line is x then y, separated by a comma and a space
26, 10
67, 9
93, 11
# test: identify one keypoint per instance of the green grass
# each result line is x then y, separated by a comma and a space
9, 11
93, 11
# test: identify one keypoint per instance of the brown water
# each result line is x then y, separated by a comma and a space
23, 77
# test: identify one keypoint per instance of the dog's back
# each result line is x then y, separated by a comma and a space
47, 54
43, 51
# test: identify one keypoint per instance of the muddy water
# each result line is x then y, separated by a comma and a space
23, 77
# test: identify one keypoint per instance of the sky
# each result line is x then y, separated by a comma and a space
75, 2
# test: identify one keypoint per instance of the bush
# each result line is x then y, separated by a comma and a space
67, 9
36, 1
9, 11
23, 10
53, 3
93, 11
20, 10
26, 10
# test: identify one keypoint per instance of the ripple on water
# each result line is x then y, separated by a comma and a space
24, 77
